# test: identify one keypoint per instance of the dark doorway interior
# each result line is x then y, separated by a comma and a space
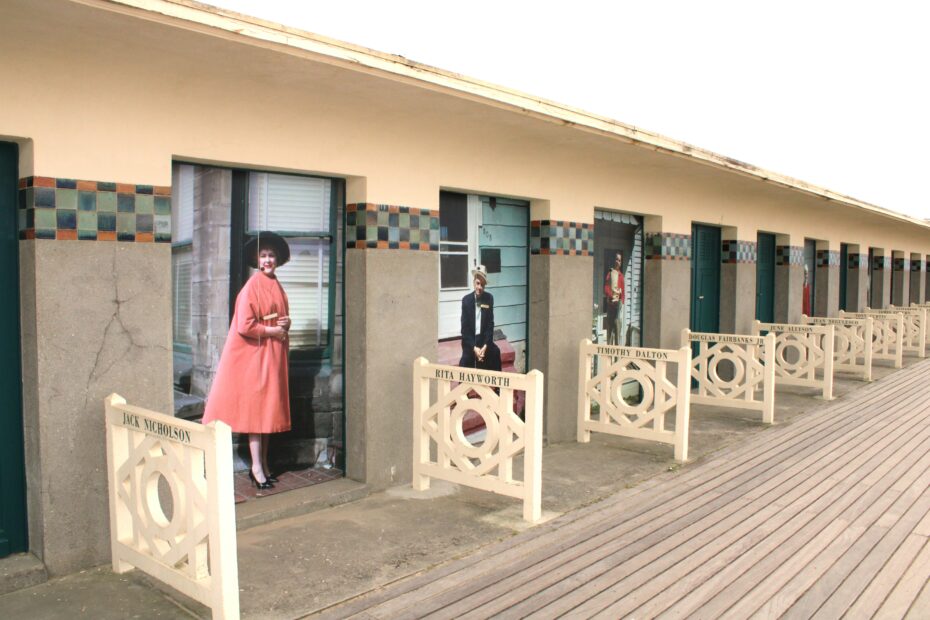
765, 278
13, 537
705, 279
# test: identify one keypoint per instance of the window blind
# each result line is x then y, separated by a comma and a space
182, 211
182, 262
306, 281
282, 202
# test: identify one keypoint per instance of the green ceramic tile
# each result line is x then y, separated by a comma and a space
126, 223
106, 201
87, 220
46, 218
383, 218
29, 197
21, 217
163, 224
162, 205
414, 235
145, 203
404, 220
371, 232
66, 198
87, 201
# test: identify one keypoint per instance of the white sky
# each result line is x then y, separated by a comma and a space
832, 93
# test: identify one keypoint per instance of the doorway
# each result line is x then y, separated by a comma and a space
618, 264
844, 273
12, 464
705, 279
765, 278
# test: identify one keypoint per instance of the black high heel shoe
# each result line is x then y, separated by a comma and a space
270, 478
260, 485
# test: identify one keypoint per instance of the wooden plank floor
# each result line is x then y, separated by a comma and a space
828, 517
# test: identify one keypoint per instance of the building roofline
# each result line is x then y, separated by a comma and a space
236, 25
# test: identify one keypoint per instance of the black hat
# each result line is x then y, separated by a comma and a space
266, 240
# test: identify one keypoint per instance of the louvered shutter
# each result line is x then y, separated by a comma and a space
286, 203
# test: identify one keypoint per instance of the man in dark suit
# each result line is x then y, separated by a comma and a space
478, 348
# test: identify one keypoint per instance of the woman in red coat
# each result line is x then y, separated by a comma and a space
250, 391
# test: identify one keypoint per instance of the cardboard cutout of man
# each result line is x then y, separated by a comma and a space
615, 292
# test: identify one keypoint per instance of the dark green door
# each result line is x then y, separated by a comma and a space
12, 470
844, 270
765, 278
705, 279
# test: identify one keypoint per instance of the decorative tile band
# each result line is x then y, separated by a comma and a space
734, 251
668, 246
917, 265
372, 226
857, 261
561, 238
828, 258
69, 209
900, 264
880, 263
789, 255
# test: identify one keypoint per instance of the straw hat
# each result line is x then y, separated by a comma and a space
480, 272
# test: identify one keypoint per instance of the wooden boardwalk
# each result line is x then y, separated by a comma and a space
827, 517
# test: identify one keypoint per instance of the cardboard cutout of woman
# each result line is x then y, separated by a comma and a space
250, 391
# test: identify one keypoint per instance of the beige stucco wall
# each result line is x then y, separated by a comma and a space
116, 98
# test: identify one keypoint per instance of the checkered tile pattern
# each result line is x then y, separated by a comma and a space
857, 261
668, 246
789, 255
900, 264
561, 238
370, 226
70, 209
734, 251
828, 258
880, 263
917, 265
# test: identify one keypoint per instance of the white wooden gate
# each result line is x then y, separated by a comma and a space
886, 335
914, 336
813, 348
658, 396
852, 343
752, 365
193, 550
437, 429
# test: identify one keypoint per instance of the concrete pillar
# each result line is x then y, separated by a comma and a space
789, 280
900, 280
926, 279
667, 287
857, 281
827, 291
96, 319
916, 281
559, 319
392, 318
881, 279
210, 273
737, 284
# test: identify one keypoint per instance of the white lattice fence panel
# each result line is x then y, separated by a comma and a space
926, 306
887, 329
642, 416
914, 336
172, 512
750, 380
489, 465
803, 354
852, 343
